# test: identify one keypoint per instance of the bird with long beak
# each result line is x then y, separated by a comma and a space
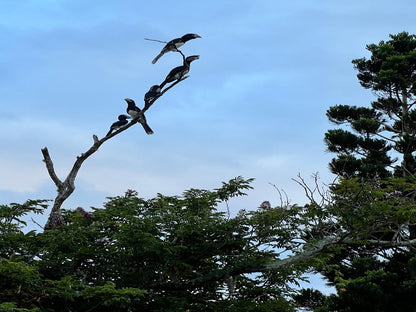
174, 44
122, 121
150, 96
180, 71
134, 111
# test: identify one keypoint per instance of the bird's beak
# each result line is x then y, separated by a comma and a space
198, 36
128, 117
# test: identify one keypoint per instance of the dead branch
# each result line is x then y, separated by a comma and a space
283, 202
155, 40
316, 189
66, 188
49, 166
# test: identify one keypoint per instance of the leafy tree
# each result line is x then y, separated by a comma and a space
178, 253
169, 253
375, 199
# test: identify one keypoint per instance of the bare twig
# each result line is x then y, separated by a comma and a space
155, 40
37, 223
283, 202
316, 189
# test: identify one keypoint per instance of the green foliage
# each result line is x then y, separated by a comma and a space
390, 73
374, 285
169, 253
374, 201
378, 207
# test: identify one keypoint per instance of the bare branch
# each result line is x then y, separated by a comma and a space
49, 166
67, 187
155, 40
37, 223
283, 202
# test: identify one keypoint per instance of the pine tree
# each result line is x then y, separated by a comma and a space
375, 149
388, 127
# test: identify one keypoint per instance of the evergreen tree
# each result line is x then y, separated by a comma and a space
376, 195
389, 125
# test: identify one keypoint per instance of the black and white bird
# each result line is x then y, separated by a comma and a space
174, 44
134, 111
180, 71
150, 96
122, 120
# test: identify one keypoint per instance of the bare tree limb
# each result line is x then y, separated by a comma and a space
49, 166
67, 187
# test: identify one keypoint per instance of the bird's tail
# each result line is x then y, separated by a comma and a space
157, 57
147, 128
109, 132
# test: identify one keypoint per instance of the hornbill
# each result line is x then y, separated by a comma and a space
134, 111
150, 96
174, 44
180, 71
122, 120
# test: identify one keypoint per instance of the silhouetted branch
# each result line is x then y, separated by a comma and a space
155, 40
49, 166
66, 188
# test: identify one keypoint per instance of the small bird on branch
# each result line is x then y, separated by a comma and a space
122, 121
134, 111
180, 71
174, 44
150, 96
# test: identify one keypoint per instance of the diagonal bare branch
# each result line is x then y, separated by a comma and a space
49, 166
67, 187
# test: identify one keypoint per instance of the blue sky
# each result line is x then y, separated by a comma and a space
254, 105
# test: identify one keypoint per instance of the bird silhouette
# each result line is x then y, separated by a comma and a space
122, 120
150, 96
174, 44
134, 111
180, 71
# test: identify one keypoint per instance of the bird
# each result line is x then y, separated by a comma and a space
180, 71
150, 96
134, 111
174, 44
122, 120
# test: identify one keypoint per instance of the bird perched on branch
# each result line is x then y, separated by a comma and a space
150, 96
134, 111
122, 120
174, 44
180, 71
